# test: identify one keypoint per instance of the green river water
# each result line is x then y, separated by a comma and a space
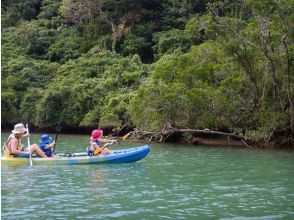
172, 182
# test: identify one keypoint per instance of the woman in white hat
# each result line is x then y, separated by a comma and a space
13, 146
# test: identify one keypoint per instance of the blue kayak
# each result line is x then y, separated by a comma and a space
117, 156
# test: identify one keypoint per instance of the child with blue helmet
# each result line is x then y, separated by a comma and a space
47, 144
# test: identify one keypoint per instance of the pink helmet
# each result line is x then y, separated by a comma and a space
96, 134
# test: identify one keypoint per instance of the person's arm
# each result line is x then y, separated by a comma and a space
106, 140
51, 145
94, 145
13, 147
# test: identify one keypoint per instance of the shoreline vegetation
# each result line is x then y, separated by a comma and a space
168, 134
200, 72
209, 138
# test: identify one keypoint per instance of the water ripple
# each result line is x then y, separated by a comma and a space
190, 183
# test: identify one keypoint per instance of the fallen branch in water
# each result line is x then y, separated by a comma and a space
173, 133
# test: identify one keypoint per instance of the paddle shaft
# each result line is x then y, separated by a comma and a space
57, 130
29, 144
55, 141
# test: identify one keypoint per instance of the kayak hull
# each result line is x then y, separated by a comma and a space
118, 156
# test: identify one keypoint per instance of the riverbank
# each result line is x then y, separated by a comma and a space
278, 139
214, 138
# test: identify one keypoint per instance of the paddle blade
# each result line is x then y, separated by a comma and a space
97, 151
126, 137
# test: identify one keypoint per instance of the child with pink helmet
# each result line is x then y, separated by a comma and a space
96, 141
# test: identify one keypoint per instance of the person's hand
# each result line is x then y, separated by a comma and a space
26, 135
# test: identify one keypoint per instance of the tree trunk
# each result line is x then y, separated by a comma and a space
289, 85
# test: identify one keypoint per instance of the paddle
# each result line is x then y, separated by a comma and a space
57, 131
29, 144
124, 138
99, 150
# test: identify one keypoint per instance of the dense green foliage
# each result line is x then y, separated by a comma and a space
225, 65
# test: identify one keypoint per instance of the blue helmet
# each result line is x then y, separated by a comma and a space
45, 139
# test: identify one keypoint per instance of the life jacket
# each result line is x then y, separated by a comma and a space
6, 150
91, 150
47, 151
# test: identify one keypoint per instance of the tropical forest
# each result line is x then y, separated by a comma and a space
150, 65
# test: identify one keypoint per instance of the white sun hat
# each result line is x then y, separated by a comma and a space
19, 128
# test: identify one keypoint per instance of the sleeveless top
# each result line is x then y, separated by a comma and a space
91, 149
